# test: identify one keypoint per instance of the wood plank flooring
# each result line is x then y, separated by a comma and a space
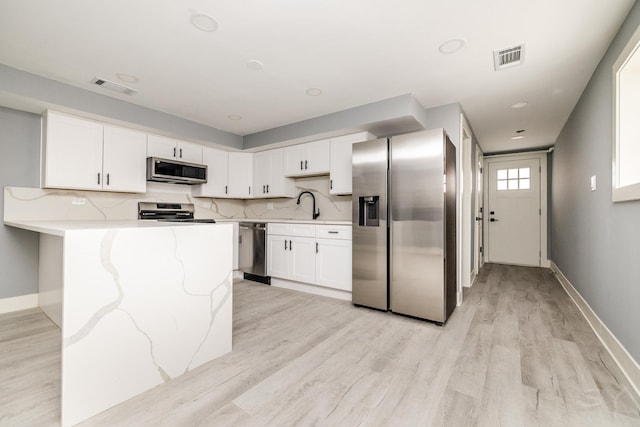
517, 353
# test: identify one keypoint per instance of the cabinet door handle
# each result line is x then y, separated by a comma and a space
301, 165
290, 245
249, 189
330, 184
174, 151
306, 163
107, 179
181, 153
98, 178
264, 189
317, 247
267, 188
285, 244
332, 232
226, 189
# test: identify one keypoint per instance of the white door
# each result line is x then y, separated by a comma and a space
261, 173
294, 158
340, 174
514, 212
240, 175
124, 160
160, 146
303, 259
333, 263
188, 152
73, 150
318, 157
217, 162
279, 256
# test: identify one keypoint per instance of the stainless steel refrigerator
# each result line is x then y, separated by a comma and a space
404, 225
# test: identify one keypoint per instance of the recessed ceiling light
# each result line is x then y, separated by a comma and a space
204, 22
254, 64
520, 104
234, 117
451, 46
127, 78
314, 91
517, 137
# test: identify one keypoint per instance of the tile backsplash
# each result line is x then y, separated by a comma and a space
21, 203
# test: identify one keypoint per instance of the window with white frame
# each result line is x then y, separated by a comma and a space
626, 141
514, 179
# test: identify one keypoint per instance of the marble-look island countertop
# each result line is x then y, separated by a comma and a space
138, 302
293, 221
59, 228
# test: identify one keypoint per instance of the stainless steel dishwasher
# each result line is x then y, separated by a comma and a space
252, 251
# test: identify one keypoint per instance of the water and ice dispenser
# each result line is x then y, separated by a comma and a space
369, 211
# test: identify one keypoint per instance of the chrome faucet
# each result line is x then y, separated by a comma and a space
316, 214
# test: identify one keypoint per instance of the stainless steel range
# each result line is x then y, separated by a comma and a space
170, 212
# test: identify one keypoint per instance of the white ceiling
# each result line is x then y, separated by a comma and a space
356, 51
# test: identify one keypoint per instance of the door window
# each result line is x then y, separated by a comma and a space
513, 179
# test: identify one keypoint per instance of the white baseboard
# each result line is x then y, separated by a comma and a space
23, 302
311, 289
545, 263
623, 359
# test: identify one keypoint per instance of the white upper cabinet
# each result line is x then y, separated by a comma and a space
268, 175
261, 174
169, 148
340, 176
88, 155
124, 160
240, 175
312, 158
217, 185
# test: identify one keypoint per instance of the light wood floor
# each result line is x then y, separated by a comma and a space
517, 353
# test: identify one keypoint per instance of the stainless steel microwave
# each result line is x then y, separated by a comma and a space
173, 171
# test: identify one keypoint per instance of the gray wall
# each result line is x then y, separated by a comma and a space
19, 167
596, 243
35, 93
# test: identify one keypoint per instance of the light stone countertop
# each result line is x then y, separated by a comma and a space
287, 221
59, 228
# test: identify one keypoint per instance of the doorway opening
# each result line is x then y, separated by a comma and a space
515, 217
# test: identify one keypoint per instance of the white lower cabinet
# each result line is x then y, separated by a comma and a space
333, 263
303, 259
295, 253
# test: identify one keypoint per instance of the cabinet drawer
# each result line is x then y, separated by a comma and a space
287, 229
342, 232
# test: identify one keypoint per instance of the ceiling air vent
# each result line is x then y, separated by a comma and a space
113, 86
509, 57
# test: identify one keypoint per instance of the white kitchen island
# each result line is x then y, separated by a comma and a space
138, 303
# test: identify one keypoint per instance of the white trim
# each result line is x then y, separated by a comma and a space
631, 191
23, 302
311, 289
465, 188
627, 364
542, 156
479, 202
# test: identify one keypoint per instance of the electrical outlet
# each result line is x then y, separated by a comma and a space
593, 183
